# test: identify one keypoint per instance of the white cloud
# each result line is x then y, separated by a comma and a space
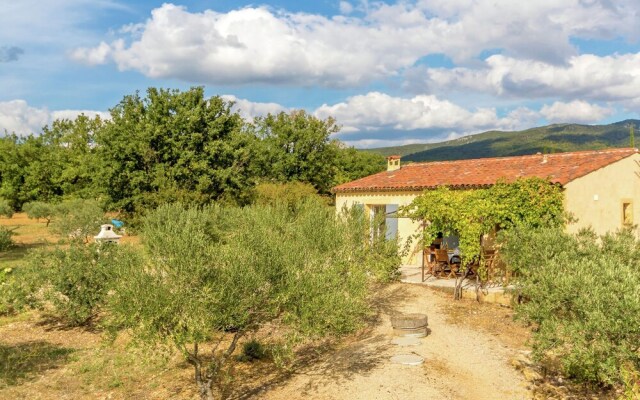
607, 78
250, 110
576, 111
346, 7
92, 56
16, 116
73, 114
262, 45
376, 111
372, 143
257, 45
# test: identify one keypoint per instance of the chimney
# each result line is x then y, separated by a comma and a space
544, 157
393, 163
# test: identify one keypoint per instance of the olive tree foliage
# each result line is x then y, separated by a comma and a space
6, 210
581, 293
78, 219
213, 275
40, 210
72, 283
6, 234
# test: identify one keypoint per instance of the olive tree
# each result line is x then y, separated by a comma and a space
214, 275
581, 293
6, 234
40, 210
5, 208
78, 219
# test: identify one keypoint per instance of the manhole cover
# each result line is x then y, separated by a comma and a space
406, 341
407, 359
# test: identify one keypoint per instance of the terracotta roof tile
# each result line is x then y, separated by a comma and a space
559, 168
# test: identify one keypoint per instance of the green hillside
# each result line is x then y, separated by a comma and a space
548, 139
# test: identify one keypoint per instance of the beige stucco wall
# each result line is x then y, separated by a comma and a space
596, 199
406, 227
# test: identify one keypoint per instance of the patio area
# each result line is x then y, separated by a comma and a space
493, 294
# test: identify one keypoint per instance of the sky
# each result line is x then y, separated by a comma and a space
390, 73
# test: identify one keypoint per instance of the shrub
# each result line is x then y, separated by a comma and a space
6, 240
75, 281
581, 294
19, 289
380, 256
290, 193
252, 350
631, 383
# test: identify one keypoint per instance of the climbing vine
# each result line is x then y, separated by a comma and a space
470, 214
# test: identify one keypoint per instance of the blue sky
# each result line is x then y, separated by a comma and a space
389, 72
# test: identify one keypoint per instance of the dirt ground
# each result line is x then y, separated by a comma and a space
467, 356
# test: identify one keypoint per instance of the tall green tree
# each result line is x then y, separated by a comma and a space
28, 170
71, 148
57, 163
173, 146
353, 164
297, 146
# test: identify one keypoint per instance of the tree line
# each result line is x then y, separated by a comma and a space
171, 146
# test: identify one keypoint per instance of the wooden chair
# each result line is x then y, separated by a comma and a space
428, 259
441, 262
488, 258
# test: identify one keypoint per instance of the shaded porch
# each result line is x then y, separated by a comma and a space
492, 293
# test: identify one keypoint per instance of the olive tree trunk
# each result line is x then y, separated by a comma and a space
205, 376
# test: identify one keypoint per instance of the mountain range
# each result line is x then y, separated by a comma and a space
554, 138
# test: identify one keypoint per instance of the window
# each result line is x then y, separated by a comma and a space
385, 221
391, 221
627, 213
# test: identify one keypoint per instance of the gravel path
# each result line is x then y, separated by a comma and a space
460, 362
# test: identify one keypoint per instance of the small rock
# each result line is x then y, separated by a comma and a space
530, 374
521, 361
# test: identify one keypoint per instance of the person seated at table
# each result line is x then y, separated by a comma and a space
437, 243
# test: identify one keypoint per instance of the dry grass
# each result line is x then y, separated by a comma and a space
493, 319
29, 235
40, 359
